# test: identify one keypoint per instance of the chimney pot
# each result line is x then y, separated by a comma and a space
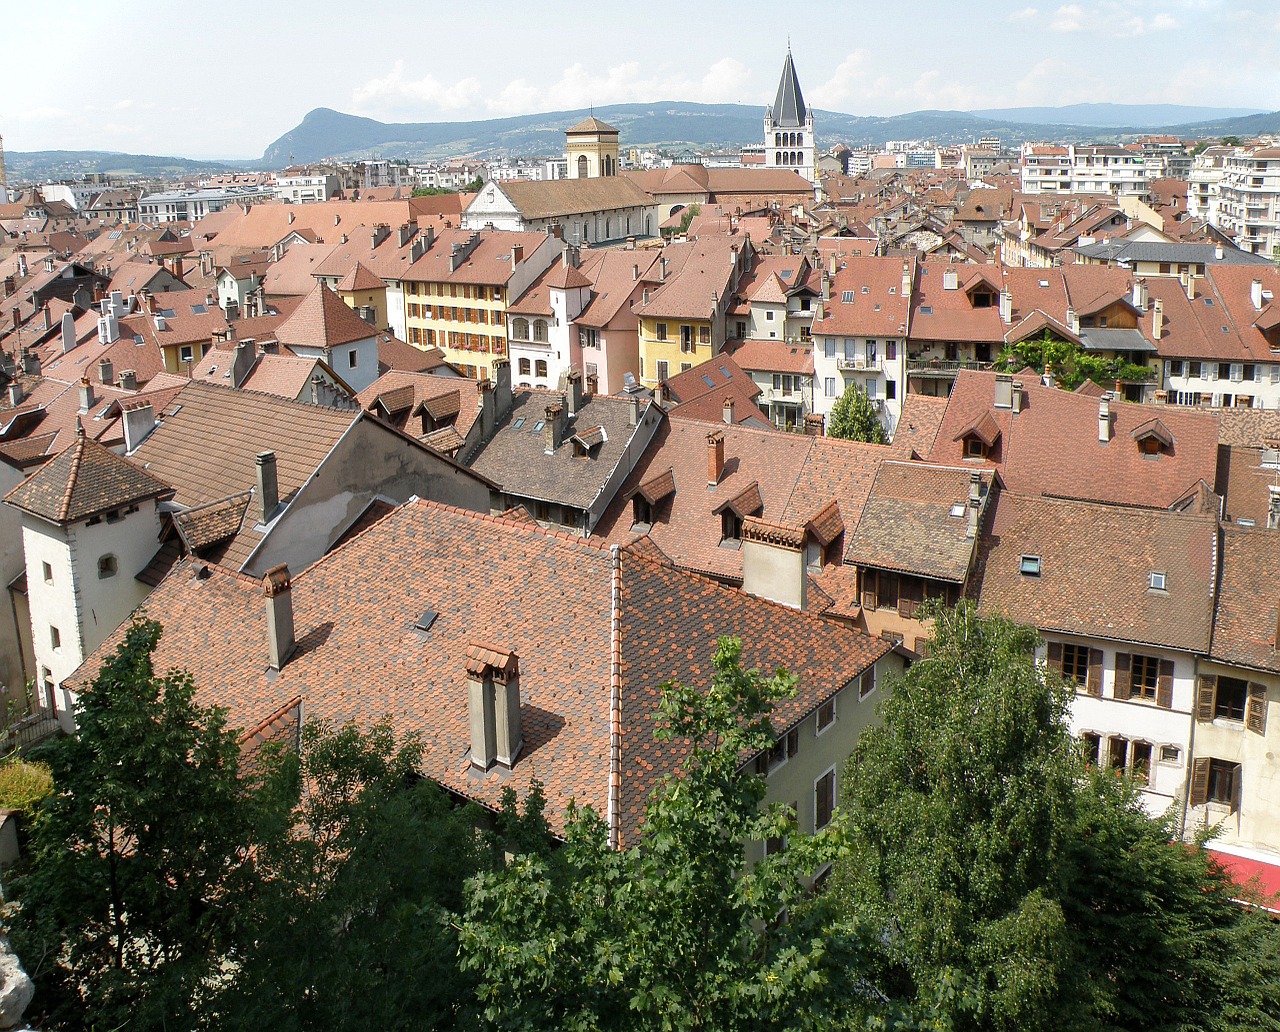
277, 588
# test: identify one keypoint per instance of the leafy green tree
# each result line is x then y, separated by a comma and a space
686, 218
1013, 888
678, 931
1071, 364
853, 419
141, 857
1231, 141
355, 921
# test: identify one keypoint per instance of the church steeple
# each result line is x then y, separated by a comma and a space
789, 140
788, 107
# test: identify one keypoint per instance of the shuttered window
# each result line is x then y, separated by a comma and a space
824, 799
1256, 711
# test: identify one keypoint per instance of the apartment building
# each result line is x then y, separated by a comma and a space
1083, 169
1249, 199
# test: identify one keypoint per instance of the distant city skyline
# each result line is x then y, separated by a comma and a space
139, 76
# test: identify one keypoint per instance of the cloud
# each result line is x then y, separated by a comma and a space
848, 80
1024, 14
394, 91
1068, 18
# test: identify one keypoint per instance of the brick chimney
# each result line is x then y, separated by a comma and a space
815, 424
277, 587
493, 706
715, 457
553, 428
268, 486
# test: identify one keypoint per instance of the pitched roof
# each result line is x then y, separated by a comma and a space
323, 320
592, 125
553, 197
85, 480
788, 106
359, 278
1246, 618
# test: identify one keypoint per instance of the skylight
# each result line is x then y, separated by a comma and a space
1029, 566
707, 380
425, 621
199, 310
846, 297
1156, 581
957, 509
537, 427
926, 309
519, 422
168, 313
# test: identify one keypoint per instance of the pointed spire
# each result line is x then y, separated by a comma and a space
788, 107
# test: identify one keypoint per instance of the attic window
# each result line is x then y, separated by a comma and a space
1029, 566
846, 297
893, 290
199, 310
926, 309
425, 621
866, 290
1044, 283
957, 510
1209, 301
537, 427
1156, 581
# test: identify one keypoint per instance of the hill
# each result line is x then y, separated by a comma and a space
27, 166
1141, 116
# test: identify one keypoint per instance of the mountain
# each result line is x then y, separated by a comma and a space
30, 166
1141, 116
679, 125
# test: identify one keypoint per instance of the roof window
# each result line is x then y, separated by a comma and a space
846, 297
537, 427
957, 509
425, 621
518, 423
1029, 566
866, 290
1156, 581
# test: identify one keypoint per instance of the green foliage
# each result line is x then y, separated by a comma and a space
1231, 141
1072, 365
1016, 890
141, 858
353, 925
678, 931
853, 419
475, 186
430, 191
24, 785
686, 218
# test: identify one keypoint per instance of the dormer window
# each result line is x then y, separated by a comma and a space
974, 448
1153, 437
641, 515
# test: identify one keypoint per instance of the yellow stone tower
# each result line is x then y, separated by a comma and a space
592, 149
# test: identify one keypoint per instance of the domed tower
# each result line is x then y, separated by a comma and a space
788, 128
592, 149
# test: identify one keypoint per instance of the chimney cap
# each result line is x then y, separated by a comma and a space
277, 581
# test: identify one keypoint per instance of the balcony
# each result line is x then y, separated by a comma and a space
944, 367
859, 363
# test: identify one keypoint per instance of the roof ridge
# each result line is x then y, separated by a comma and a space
77, 457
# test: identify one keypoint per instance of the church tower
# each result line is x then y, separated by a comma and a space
788, 128
592, 149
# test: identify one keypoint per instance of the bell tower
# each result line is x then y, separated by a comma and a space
788, 128
592, 149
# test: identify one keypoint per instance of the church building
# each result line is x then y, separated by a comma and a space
788, 128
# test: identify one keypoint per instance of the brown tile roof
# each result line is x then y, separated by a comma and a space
773, 356
323, 320
294, 274
549, 198
655, 489
1051, 447
551, 600
399, 397
592, 125
700, 393
359, 278
1246, 619
1248, 427
907, 523
918, 424
85, 480
489, 264
1094, 567
205, 525
872, 310
264, 225
687, 292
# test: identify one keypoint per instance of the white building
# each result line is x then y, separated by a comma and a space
307, 189
1085, 169
193, 205
1249, 199
542, 336
788, 128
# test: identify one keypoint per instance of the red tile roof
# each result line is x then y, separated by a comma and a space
323, 320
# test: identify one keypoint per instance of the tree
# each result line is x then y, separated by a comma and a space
142, 856
1015, 889
1071, 364
362, 884
853, 419
686, 218
678, 931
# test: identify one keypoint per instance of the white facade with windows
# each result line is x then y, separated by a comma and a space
1248, 202
876, 364
1086, 169
1222, 384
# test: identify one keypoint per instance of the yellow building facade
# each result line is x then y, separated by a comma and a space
467, 321
669, 346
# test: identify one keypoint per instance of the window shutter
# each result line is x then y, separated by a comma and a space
793, 741
1055, 656
1094, 684
868, 600
1124, 689
1164, 685
1199, 781
1206, 697
1255, 714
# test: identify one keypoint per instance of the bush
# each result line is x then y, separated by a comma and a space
24, 786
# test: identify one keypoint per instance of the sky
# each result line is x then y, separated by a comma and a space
156, 77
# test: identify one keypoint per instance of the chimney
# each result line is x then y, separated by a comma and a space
486, 406
553, 428
139, 421
950, 279
662, 269
974, 508
1006, 307
502, 397
833, 265
1273, 507
106, 371
1157, 320
22, 266
1004, 391
1016, 400
517, 255
1073, 320
1218, 253
292, 216
715, 457
161, 324
814, 424
268, 486
243, 362
633, 410
30, 363
1140, 294
9, 286
48, 317
572, 386
635, 272
557, 231
1191, 286
278, 589
1104, 418
128, 379
68, 332
1255, 294
493, 706
728, 411
15, 394
773, 562
906, 279
86, 394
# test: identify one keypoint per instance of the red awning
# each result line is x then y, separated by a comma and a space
1252, 873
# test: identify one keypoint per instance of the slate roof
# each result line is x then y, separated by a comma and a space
788, 106
1094, 567
85, 480
1159, 251
589, 625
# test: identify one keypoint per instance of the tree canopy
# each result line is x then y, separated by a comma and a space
1071, 364
853, 419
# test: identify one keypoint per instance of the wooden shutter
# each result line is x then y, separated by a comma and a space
888, 590
1206, 697
869, 598
1124, 689
1255, 714
1199, 781
1094, 683
793, 741
1055, 656
1164, 685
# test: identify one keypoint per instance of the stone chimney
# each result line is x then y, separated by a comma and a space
715, 457
973, 510
1140, 294
906, 279
571, 384
268, 486
502, 397
553, 428
486, 408
1273, 507
68, 332
517, 255
139, 421
662, 269
1255, 294
1219, 253
1104, 418
633, 410
1157, 319
1073, 320
950, 279
1006, 307
773, 565
1004, 391
1017, 396
493, 706
1191, 286
277, 587
106, 371
728, 411
30, 362
243, 362
86, 394
635, 272
15, 394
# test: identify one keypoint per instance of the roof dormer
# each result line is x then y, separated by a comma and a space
1153, 438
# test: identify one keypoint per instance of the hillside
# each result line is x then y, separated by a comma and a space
1141, 116
25, 166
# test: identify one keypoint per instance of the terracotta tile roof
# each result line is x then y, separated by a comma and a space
871, 310
395, 354
918, 424
263, 225
773, 356
550, 198
205, 525
359, 278
908, 524
616, 277
548, 599
489, 264
1094, 566
592, 125
827, 524
1247, 612
655, 489
323, 320
1248, 427
85, 480
938, 314
1051, 447
707, 269
294, 273
700, 393
399, 398
566, 277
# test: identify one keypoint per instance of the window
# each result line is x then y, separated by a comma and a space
778, 843
685, 366
1075, 663
824, 800
48, 573
540, 368
846, 297
686, 338
540, 330
107, 567
1092, 745
704, 334
352, 358
1144, 674
1140, 761
185, 353
890, 350
826, 715
867, 683
663, 369
890, 389
641, 514
768, 316
660, 331
829, 386
1029, 566
520, 329
526, 367
730, 526
1230, 699
55, 638
1223, 782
